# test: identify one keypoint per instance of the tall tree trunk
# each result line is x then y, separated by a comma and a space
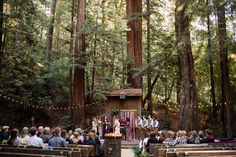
1, 33
71, 52
94, 55
149, 72
79, 71
225, 80
50, 32
187, 94
209, 52
134, 38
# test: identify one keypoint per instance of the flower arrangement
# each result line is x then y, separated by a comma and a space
115, 111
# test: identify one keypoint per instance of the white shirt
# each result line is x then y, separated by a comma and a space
138, 122
144, 122
149, 122
155, 123
35, 141
23, 140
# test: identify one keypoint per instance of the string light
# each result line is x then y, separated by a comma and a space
8, 98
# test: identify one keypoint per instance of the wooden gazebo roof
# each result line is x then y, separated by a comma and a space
127, 92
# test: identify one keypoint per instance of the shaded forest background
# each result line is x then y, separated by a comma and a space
38, 58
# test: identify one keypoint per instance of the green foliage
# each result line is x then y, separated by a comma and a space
25, 76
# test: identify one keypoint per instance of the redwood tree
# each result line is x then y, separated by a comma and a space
225, 80
209, 51
50, 31
187, 82
134, 38
1, 32
79, 71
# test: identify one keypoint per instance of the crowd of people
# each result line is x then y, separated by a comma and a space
146, 131
179, 137
46, 137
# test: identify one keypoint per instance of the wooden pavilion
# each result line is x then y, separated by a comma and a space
129, 103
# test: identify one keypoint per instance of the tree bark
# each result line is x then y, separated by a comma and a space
50, 32
79, 71
225, 79
134, 38
1, 33
187, 94
72, 51
209, 52
149, 71
94, 55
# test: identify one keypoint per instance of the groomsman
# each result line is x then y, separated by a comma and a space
149, 123
155, 124
138, 127
144, 126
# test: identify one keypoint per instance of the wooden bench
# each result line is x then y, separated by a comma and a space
160, 150
67, 153
10, 154
90, 148
207, 153
85, 150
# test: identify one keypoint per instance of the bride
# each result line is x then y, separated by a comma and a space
117, 125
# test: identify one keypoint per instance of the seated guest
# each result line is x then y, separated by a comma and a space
40, 130
161, 136
180, 139
77, 138
170, 137
34, 140
13, 138
24, 136
46, 135
4, 134
192, 138
152, 139
65, 135
209, 138
57, 140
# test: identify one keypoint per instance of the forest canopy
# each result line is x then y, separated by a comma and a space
186, 56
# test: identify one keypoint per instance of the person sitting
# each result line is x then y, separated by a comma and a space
161, 136
40, 130
170, 137
24, 136
192, 138
180, 139
46, 135
13, 141
4, 134
34, 140
57, 140
65, 135
74, 139
209, 138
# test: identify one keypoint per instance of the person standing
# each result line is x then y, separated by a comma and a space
155, 124
106, 124
138, 121
144, 127
149, 123
117, 125
100, 129
95, 125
